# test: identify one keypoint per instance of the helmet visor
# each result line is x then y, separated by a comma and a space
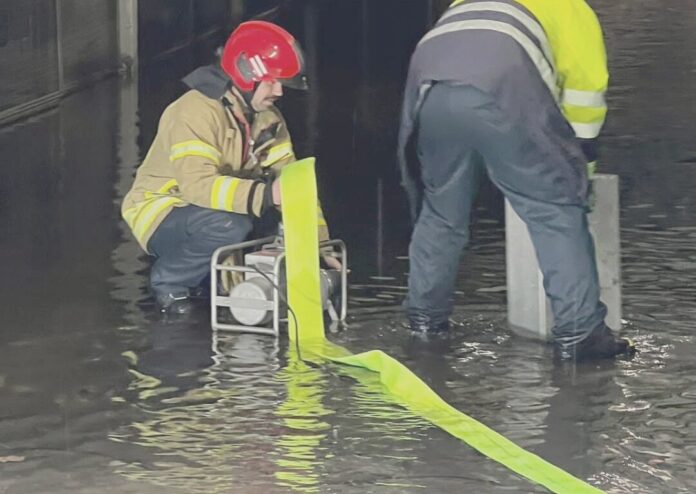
297, 82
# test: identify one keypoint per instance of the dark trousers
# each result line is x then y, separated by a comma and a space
539, 166
184, 243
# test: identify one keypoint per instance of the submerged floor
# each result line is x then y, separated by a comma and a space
99, 395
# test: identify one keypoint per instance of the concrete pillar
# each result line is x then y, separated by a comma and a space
127, 256
59, 46
529, 311
128, 34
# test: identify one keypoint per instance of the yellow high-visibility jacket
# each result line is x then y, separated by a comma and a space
577, 75
560, 41
197, 158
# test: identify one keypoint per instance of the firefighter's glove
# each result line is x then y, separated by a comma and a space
591, 169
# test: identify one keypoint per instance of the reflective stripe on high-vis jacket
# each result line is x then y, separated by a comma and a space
306, 330
536, 55
531, 24
195, 148
277, 153
168, 187
222, 193
585, 110
141, 217
567, 34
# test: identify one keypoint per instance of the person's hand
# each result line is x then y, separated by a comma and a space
332, 262
275, 187
591, 169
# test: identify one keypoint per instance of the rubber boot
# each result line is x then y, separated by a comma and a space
175, 304
599, 344
421, 323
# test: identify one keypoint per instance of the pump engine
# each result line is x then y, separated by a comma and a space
253, 297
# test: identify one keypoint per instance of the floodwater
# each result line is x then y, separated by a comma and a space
98, 394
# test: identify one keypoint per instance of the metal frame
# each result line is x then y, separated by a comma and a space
217, 300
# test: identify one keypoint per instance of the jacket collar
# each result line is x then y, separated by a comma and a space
210, 80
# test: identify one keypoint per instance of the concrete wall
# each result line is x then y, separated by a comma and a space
50, 47
28, 51
89, 38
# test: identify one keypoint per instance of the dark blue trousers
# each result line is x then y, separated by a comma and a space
538, 164
184, 244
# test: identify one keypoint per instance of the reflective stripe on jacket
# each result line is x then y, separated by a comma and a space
512, 50
197, 158
562, 38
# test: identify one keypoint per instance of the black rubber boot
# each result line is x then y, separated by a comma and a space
420, 323
600, 344
175, 304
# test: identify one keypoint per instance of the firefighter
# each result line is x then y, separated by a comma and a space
210, 175
514, 88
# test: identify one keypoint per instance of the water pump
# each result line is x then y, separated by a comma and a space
248, 286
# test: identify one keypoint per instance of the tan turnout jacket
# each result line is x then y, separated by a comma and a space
199, 157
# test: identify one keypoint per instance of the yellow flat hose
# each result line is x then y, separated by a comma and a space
299, 199
298, 188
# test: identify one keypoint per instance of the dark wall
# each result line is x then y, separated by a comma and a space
48, 47
357, 53
210, 15
28, 51
167, 27
57, 219
89, 38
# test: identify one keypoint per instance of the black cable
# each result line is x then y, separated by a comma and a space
292, 312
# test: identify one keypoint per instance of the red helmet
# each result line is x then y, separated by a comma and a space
261, 51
